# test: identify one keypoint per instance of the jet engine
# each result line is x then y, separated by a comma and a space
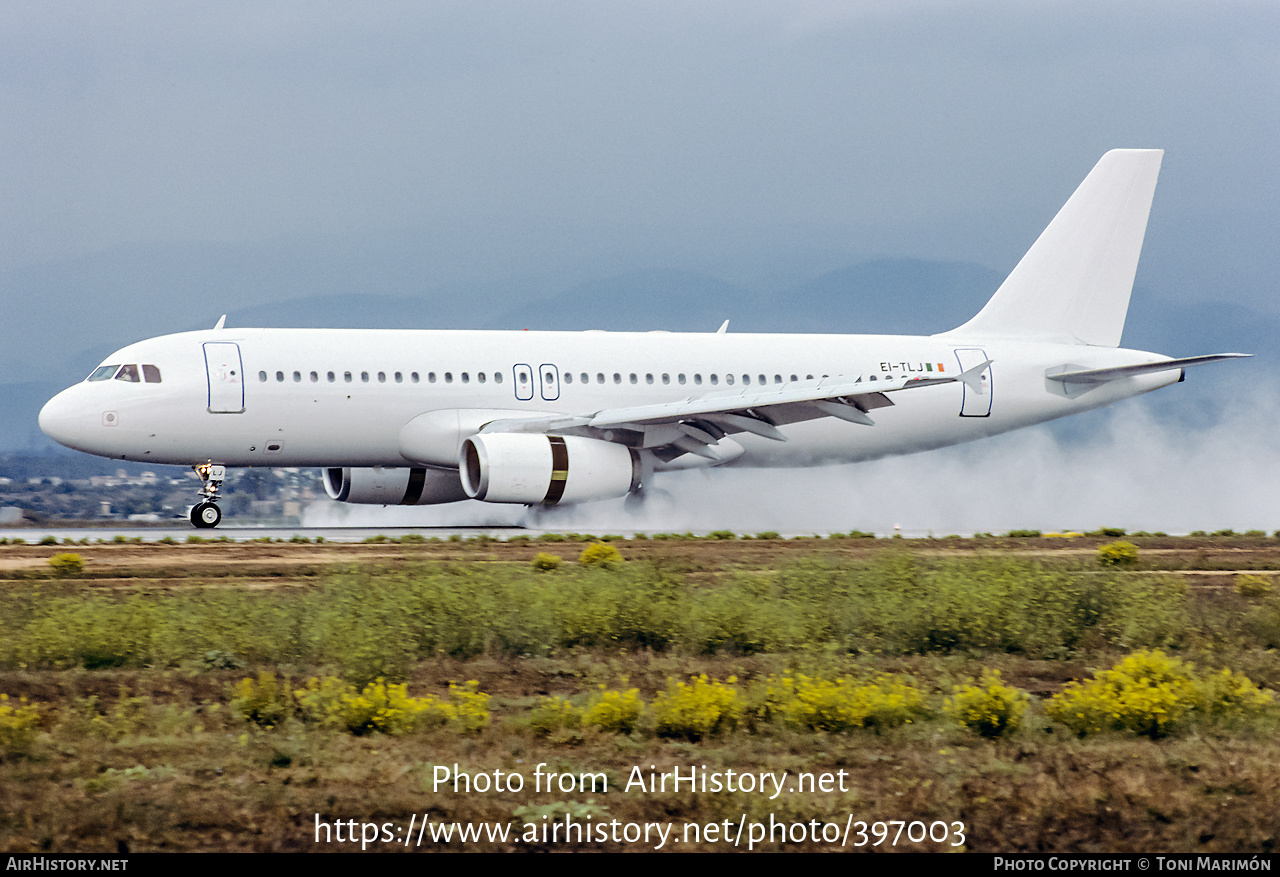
546, 469
393, 486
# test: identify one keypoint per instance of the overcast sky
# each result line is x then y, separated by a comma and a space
706, 130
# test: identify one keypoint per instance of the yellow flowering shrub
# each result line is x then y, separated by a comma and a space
600, 554
1118, 554
66, 564
1149, 693
545, 562
1253, 585
388, 708
18, 725
841, 704
700, 708
990, 708
615, 711
265, 702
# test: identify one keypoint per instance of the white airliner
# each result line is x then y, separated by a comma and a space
418, 417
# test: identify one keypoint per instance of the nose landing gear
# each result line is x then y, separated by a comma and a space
206, 514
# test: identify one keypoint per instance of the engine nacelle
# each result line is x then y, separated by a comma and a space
546, 469
393, 486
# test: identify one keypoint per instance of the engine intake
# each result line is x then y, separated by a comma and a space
546, 469
393, 486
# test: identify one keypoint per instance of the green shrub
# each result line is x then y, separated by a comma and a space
600, 554
721, 534
1118, 554
66, 564
554, 715
1108, 532
990, 708
545, 562
841, 704
702, 708
1023, 534
617, 712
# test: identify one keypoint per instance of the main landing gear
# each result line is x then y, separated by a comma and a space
205, 514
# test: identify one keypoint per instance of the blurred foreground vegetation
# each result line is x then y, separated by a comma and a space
163, 711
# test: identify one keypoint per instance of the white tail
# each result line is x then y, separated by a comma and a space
1073, 285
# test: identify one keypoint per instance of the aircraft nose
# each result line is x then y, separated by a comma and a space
58, 419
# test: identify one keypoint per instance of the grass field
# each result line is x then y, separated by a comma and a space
831, 669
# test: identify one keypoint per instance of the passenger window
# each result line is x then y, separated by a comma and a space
448, 377
568, 377
331, 378
697, 379
399, 378
466, 378
104, 373
617, 378
666, 379
364, 377
599, 377
280, 377
382, 377
262, 376
151, 374
715, 379
633, 377
728, 379
497, 377
586, 379
346, 376
314, 377
481, 377
680, 377
297, 377
648, 379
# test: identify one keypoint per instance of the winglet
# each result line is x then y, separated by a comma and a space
222, 321
724, 327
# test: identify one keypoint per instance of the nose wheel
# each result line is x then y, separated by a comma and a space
205, 514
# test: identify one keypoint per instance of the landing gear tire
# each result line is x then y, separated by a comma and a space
206, 515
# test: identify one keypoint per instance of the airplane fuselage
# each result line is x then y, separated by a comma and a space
327, 397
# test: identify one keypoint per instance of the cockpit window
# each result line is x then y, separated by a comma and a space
103, 373
151, 374
128, 373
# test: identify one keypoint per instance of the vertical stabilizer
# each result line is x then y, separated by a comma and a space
1073, 284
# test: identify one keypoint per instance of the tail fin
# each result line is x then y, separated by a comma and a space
1073, 285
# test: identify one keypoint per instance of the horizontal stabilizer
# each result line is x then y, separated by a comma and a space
1102, 375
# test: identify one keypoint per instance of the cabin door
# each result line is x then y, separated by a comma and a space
975, 404
226, 377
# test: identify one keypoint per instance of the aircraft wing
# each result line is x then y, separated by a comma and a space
692, 424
